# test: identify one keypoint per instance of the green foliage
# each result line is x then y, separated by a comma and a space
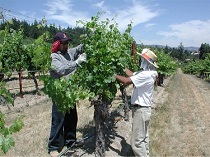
166, 65
1, 57
6, 141
40, 53
108, 52
204, 50
64, 92
16, 125
37, 28
5, 93
10, 58
192, 67
14, 56
198, 66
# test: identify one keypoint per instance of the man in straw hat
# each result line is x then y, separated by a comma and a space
141, 100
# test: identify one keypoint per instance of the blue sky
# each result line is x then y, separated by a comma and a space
161, 22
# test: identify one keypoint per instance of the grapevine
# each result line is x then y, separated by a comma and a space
6, 140
14, 56
108, 52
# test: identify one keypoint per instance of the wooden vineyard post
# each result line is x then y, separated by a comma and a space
20, 83
134, 52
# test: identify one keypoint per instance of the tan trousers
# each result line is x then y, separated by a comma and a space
140, 137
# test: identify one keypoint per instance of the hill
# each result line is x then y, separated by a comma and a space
190, 48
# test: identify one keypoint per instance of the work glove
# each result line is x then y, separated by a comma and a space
81, 48
81, 58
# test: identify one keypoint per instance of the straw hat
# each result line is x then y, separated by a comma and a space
149, 56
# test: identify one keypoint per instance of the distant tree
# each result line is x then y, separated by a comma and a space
52, 29
32, 30
204, 49
180, 51
26, 28
74, 34
167, 49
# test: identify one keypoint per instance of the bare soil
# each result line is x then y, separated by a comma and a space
179, 124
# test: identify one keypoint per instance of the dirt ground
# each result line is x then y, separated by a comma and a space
179, 124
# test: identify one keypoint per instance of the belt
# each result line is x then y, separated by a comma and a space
136, 105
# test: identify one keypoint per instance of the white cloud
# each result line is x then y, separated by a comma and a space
190, 33
100, 5
62, 10
135, 12
149, 25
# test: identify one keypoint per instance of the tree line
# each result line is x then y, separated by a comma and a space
33, 31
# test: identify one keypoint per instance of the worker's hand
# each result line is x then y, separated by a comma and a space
81, 58
115, 75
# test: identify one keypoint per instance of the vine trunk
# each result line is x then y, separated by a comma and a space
100, 117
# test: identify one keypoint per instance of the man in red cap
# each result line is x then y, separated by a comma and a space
64, 62
141, 100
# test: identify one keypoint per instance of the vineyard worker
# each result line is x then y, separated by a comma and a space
64, 62
141, 100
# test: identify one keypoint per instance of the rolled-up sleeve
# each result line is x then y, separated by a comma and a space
138, 80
